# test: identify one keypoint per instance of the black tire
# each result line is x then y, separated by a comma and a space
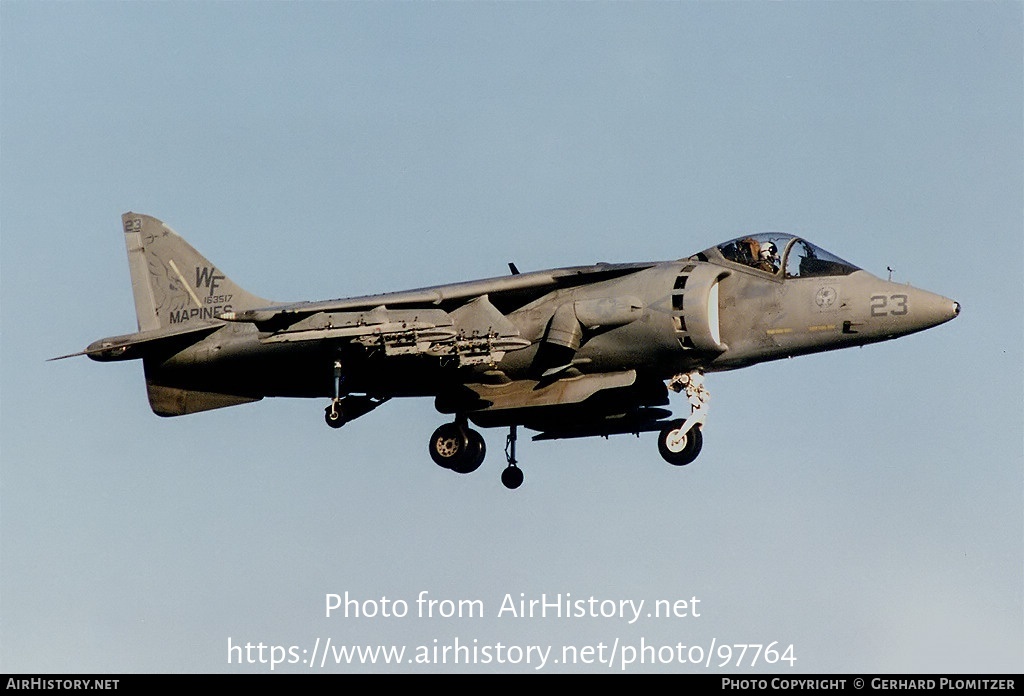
474, 456
680, 451
334, 417
512, 477
449, 445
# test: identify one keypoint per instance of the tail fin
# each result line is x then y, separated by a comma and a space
173, 283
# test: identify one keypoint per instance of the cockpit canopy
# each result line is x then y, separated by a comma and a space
773, 252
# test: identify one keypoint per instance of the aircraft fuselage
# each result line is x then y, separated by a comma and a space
569, 352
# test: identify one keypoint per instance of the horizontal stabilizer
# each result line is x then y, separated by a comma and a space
133, 346
171, 401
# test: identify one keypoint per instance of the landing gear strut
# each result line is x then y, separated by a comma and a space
333, 414
680, 441
511, 475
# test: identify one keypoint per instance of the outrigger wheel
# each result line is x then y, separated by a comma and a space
333, 415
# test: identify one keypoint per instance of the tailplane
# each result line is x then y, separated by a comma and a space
174, 285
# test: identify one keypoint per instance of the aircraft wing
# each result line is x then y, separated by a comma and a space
506, 292
463, 320
476, 332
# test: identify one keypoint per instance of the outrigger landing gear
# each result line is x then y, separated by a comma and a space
511, 475
349, 407
332, 414
680, 441
458, 447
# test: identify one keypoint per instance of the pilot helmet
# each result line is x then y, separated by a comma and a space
769, 250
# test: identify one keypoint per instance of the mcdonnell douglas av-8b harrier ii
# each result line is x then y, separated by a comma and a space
566, 352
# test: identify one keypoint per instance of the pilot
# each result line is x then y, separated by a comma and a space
748, 251
769, 258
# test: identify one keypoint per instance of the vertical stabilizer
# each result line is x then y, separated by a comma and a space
174, 284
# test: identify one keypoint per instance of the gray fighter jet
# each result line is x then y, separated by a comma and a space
568, 352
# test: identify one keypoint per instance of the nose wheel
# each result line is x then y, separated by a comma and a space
679, 443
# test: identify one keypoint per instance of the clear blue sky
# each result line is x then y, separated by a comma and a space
864, 506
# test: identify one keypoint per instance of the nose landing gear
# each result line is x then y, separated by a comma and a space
680, 441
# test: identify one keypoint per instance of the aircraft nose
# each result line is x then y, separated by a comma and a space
933, 309
951, 310
897, 310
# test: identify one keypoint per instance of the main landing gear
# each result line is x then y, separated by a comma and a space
458, 447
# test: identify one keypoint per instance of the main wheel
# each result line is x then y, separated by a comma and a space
450, 445
474, 456
680, 448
